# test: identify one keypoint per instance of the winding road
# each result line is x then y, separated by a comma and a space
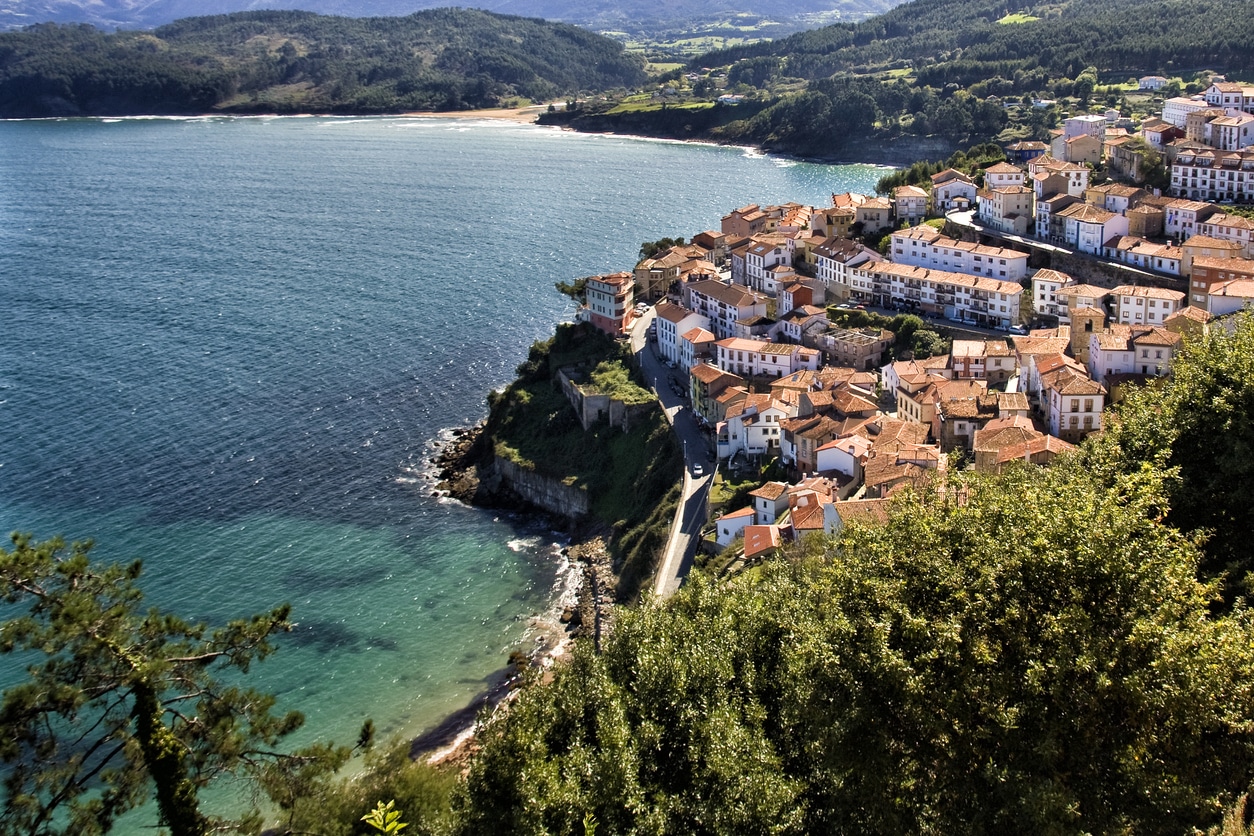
691, 515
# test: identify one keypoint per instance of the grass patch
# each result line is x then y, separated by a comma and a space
651, 106
612, 378
1017, 17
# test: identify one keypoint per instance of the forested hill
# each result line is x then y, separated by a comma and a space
300, 62
633, 15
963, 41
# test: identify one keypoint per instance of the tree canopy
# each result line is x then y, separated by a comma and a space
1028, 653
1198, 428
121, 704
299, 62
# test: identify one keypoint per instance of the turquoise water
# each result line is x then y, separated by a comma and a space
229, 345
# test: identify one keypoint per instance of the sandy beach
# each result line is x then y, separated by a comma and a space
522, 115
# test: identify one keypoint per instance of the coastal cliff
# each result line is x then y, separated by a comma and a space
491, 481
533, 453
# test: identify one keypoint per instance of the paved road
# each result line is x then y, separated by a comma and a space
690, 516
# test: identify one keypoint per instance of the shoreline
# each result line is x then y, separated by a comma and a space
574, 612
520, 115
528, 115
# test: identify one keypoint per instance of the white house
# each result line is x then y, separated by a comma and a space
1003, 176
1088, 228
1226, 227
1073, 402
752, 426
1138, 252
910, 203
673, 321
960, 296
769, 503
748, 358
1177, 110
924, 246
607, 302
760, 259
1123, 349
1135, 305
730, 526
695, 345
1009, 209
722, 305
1183, 218
834, 258
952, 190
1091, 124
843, 455
1230, 296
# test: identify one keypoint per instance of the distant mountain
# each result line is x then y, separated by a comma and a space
964, 41
596, 14
300, 62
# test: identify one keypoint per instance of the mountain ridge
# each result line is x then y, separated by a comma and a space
595, 14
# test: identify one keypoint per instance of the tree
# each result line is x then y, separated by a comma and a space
1199, 428
121, 704
649, 249
927, 343
576, 290
1025, 653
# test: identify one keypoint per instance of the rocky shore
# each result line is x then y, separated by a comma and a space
462, 467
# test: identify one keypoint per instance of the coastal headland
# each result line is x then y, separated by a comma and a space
609, 487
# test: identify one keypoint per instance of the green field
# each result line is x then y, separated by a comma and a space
1017, 17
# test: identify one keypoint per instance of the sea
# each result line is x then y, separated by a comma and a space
229, 346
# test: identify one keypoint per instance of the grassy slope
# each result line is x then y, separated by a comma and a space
631, 477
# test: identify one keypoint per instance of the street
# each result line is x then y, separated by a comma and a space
690, 516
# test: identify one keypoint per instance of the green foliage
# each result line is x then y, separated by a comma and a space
121, 703
385, 819
927, 343
970, 162
440, 59
625, 473
1026, 653
955, 55
575, 290
611, 377
649, 249
961, 41
331, 805
636, 548
1199, 428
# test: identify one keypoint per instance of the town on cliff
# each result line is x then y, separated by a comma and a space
813, 361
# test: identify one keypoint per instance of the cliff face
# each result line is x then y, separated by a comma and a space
505, 479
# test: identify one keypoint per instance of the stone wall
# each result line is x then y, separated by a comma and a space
547, 494
591, 407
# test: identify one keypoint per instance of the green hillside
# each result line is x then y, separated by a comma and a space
968, 40
291, 62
